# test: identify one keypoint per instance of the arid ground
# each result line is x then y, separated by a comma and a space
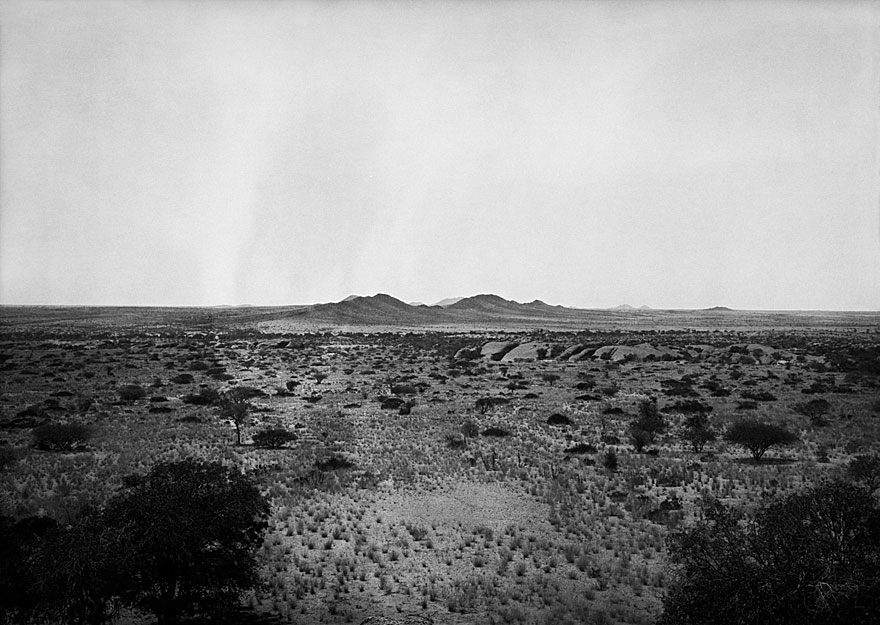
458, 470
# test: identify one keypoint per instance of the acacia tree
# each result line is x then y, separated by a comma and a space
810, 558
236, 409
190, 530
758, 437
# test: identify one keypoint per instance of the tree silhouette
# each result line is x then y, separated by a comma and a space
190, 530
810, 558
758, 437
237, 410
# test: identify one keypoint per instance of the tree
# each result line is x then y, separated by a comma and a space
550, 378
273, 438
609, 461
815, 410
865, 469
758, 437
810, 558
650, 418
640, 438
19, 540
645, 428
237, 410
77, 572
190, 530
698, 432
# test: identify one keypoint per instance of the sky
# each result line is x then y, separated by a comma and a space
589, 154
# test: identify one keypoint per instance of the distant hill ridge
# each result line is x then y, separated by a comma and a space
485, 308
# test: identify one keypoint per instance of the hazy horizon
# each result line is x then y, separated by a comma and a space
590, 154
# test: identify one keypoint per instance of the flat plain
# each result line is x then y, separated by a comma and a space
453, 465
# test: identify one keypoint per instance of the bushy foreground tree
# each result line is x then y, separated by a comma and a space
180, 540
190, 530
810, 558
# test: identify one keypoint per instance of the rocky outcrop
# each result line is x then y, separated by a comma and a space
641, 352
495, 350
468, 353
533, 350
574, 350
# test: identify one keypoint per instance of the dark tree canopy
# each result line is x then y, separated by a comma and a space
758, 437
190, 530
810, 558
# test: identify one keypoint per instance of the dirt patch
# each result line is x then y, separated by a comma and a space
468, 503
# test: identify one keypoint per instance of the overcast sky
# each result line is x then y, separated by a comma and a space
673, 154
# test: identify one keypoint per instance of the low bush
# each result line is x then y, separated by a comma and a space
205, 397
132, 392
61, 436
273, 438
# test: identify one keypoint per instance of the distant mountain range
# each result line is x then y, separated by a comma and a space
484, 309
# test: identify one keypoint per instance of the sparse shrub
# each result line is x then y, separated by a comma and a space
640, 439
245, 392
689, 407
558, 419
758, 395
61, 436
392, 403
205, 397
182, 378
455, 441
8, 456
333, 463
470, 429
610, 460
610, 390
404, 389
581, 448
273, 438
319, 377
483, 404
757, 437
132, 392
